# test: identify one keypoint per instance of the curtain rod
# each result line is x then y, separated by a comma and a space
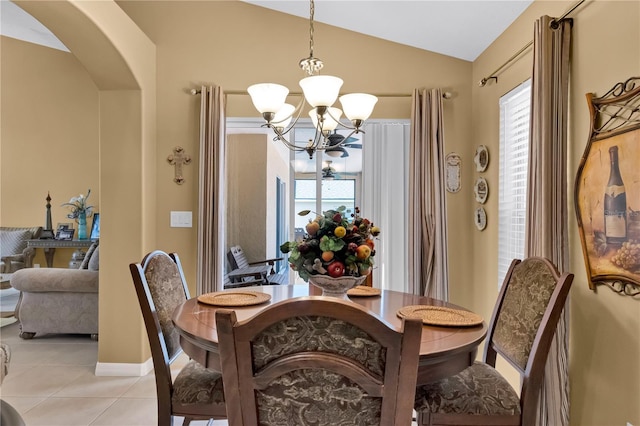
445, 95
553, 24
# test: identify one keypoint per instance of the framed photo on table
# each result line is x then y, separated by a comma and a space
95, 227
65, 234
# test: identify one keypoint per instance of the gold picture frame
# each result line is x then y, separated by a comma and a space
607, 190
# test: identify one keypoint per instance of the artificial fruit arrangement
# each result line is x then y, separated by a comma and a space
335, 244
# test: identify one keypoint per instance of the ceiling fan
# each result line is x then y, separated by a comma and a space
329, 173
335, 140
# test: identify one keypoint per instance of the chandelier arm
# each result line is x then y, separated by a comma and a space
280, 137
340, 123
297, 112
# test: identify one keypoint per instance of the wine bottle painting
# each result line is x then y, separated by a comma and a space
610, 196
607, 190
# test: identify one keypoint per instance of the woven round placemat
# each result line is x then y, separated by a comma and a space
234, 298
363, 290
440, 315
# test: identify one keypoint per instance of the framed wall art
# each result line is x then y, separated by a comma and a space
480, 218
481, 158
481, 190
452, 173
607, 190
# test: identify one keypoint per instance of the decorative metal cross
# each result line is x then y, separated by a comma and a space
177, 159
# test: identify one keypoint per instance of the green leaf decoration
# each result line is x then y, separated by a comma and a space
304, 212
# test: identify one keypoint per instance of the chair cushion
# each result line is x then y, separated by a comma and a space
14, 242
479, 389
196, 384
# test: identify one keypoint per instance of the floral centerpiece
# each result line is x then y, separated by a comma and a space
334, 245
78, 206
80, 210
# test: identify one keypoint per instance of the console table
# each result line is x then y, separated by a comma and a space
50, 246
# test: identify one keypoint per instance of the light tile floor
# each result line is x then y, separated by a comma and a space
51, 382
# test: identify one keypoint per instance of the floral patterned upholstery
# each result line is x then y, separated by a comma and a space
479, 389
167, 292
303, 397
529, 291
321, 334
197, 385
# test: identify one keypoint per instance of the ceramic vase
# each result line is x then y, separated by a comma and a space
82, 226
336, 287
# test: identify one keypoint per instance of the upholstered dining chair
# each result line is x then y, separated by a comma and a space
317, 361
522, 327
196, 393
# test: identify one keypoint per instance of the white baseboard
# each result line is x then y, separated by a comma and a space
124, 369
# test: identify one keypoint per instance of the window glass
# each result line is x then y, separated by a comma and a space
514, 158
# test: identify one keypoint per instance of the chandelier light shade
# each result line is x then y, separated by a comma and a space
358, 106
320, 92
268, 97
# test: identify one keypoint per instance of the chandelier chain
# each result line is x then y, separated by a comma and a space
312, 10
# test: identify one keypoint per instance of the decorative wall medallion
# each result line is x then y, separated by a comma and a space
452, 176
480, 218
481, 190
481, 158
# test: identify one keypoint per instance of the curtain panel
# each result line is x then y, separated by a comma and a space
211, 191
385, 160
428, 263
547, 210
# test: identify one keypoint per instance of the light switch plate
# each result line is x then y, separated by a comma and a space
181, 219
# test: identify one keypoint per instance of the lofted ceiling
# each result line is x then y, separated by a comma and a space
459, 28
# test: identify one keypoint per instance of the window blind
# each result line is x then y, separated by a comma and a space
514, 157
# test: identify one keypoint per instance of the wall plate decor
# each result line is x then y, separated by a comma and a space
481, 190
607, 193
452, 172
480, 218
481, 158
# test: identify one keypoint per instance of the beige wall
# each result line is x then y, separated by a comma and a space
49, 137
605, 343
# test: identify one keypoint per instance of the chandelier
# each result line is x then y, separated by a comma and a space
320, 93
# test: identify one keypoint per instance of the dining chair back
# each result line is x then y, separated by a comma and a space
521, 330
317, 361
196, 393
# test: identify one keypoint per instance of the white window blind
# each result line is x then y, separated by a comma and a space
514, 156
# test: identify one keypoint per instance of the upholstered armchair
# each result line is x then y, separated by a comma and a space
59, 300
14, 253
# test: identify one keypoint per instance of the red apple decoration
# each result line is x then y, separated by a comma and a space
335, 269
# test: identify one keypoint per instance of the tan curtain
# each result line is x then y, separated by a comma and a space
428, 264
547, 223
211, 193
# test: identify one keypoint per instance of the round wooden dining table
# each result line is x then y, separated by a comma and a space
444, 351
